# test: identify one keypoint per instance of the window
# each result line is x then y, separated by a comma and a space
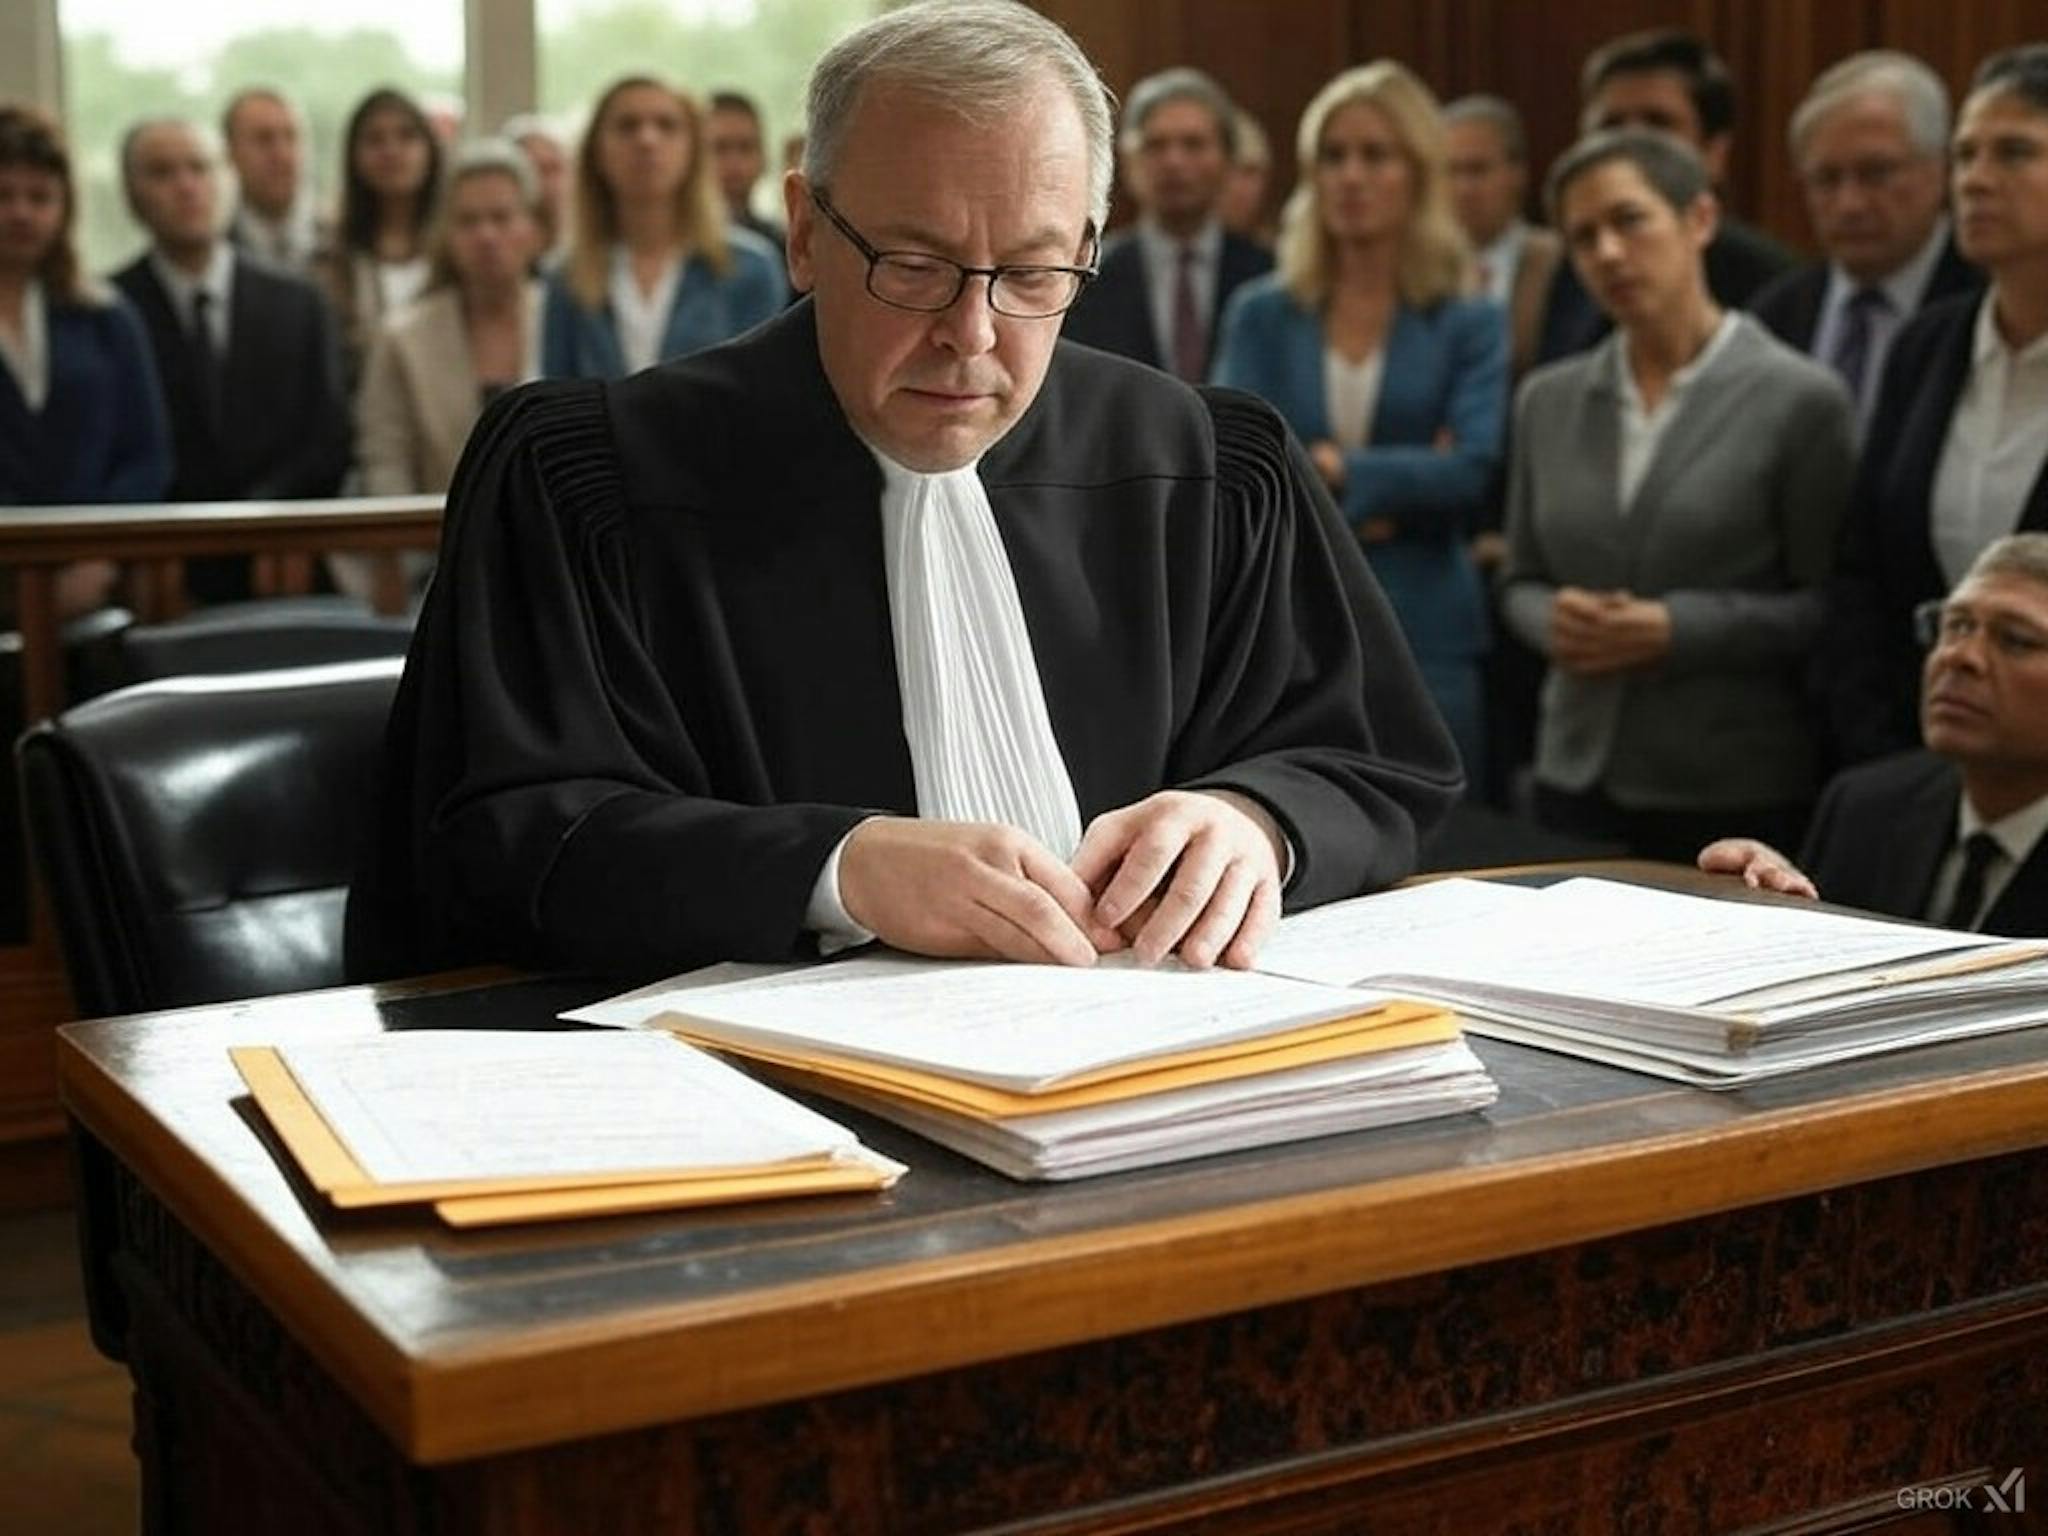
124, 61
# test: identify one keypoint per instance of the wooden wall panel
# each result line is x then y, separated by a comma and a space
1273, 54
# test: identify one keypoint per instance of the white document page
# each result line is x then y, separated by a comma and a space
1597, 939
435, 1105
1022, 1027
1346, 941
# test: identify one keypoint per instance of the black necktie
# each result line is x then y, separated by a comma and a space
1852, 346
1979, 849
205, 360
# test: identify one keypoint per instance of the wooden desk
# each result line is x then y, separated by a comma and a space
1608, 1304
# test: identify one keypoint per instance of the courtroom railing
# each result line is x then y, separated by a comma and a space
153, 542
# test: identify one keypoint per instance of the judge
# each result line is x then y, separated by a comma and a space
898, 617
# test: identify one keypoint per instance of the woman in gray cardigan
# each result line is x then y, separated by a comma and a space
1672, 507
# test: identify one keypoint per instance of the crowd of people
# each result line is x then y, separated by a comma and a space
1654, 502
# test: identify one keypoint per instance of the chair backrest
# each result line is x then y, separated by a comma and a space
260, 635
197, 834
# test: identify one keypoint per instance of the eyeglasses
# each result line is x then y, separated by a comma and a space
1865, 175
1937, 623
918, 280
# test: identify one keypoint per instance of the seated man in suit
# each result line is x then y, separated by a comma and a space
1164, 283
1668, 80
248, 354
1952, 833
898, 617
1486, 152
1871, 144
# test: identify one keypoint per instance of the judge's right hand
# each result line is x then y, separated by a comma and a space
968, 890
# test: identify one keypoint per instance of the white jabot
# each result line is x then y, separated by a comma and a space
981, 742
29, 358
974, 715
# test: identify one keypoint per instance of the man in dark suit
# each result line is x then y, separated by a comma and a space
247, 353
1951, 833
1871, 144
732, 133
1164, 283
1668, 80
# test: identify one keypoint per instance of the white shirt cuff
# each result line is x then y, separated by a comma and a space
826, 916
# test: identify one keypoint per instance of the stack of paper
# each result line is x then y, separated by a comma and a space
1049, 1072
490, 1127
1717, 993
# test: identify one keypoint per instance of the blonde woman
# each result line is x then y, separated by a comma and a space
653, 269
1397, 383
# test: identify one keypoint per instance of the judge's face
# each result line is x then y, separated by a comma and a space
1872, 196
1639, 257
1984, 689
2000, 175
933, 390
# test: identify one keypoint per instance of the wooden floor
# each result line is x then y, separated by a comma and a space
65, 1464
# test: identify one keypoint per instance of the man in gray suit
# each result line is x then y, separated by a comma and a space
1952, 833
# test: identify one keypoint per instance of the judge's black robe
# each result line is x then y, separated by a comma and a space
654, 682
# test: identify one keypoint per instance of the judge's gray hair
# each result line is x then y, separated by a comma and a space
2017, 554
980, 58
1922, 98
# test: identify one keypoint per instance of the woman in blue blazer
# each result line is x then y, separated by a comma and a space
80, 416
1396, 382
653, 269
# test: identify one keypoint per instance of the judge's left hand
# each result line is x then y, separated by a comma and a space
1208, 865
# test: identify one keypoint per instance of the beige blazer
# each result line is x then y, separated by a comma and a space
419, 395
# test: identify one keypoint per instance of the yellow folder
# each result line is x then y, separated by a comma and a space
333, 1170
1392, 1026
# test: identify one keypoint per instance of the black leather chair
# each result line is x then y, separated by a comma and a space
262, 634
197, 834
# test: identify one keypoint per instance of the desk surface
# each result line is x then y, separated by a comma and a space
463, 1344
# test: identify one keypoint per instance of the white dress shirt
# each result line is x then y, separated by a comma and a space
1997, 442
1641, 429
1903, 290
400, 282
1351, 393
1499, 261
974, 713
641, 317
291, 242
2016, 836
217, 282
1162, 277
28, 358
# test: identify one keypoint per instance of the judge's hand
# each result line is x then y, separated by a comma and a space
968, 890
1761, 866
1208, 863
1592, 633
1328, 459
